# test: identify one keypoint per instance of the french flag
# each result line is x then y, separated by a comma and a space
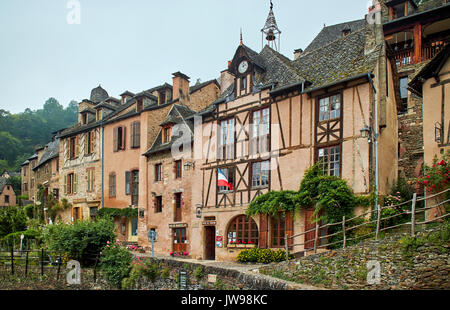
222, 180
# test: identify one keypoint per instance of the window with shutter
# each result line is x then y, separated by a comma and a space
116, 139
127, 182
76, 147
74, 183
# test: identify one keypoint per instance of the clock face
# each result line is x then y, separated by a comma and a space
243, 66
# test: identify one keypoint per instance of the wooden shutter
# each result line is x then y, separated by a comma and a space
124, 136
127, 182
116, 139
76, 147
74, 183
263, 229
289, 227
137, 134
65, 184
86, 143
92, 141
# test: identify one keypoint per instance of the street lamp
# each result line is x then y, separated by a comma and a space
365, 132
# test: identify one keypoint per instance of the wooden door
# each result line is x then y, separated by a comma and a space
179, 239
178, 205
309, 237
210, 242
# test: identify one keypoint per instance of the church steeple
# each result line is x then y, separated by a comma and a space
271, 31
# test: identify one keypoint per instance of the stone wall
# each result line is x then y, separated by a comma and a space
426, 267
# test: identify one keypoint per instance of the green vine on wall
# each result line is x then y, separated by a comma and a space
116, 212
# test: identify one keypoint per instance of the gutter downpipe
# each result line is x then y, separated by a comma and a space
102, 162
375, 138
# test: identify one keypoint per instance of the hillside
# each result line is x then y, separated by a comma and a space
21, 133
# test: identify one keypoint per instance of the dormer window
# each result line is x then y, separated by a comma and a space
99, 114
140, 104
84, 118
346, 32
167, 134
244, 84
162, 97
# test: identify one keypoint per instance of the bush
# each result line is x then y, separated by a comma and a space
12, 219
29, 234
30, 211
82, 239
265, 256
115, 264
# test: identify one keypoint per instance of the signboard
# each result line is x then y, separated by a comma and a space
178, 225
152, 235
199, 212
183, 280
209, 223
219, 241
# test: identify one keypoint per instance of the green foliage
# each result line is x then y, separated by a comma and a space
116, 212
82, 239
29, 211
141, 269
198, 273
439, 238
437, 176
273, 202
115, 264
16, 183
29, 234
12, 219
265, 256
54, 206
21, 133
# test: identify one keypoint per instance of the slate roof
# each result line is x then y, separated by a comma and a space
198, 86
331, 33
179, 114
3, 183
98, 94
339, 60
430, 70
52, 151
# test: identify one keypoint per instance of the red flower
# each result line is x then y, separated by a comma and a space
443, 163
428, 176
425, 183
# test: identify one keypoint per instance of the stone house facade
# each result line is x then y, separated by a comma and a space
7, 194
414, 34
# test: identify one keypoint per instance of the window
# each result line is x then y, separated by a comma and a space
244, 84
167, 134
178, 206
99, 114
112, 185
331, 159
139, 104
135, 188
90, 179
119, 139
71, 183
73, 147
135, 134
84, 118
89, 143
226, 139
134, 226
93, 213
260, 137
127, 182
25, 187
162, 97
278, 225
404, 95
158, 204
178, 169
229, 174
76, 214
179, 235
25, 171
260, 174
243, 229
330, 108
158, 173
56, 193
6, 198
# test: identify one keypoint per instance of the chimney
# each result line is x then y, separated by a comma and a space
226, 79
180, 84
297, 53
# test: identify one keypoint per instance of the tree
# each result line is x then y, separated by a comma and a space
12, 219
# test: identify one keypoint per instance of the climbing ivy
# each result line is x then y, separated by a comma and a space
273, 202
116, 212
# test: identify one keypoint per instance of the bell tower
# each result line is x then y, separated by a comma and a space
271, 32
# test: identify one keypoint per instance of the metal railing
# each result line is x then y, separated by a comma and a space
347, 227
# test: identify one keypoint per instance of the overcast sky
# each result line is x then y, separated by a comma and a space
137, 44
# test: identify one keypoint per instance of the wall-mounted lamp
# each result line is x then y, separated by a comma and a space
188, 165
365, 132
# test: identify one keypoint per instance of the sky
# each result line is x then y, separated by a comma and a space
46, 51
